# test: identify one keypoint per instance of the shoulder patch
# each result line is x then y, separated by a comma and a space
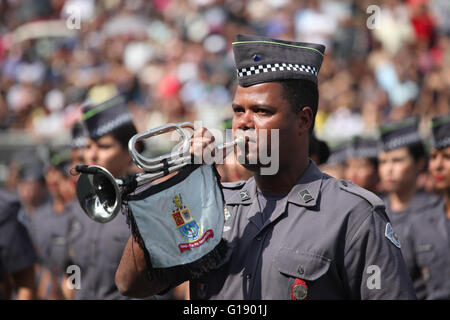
370, 197
233, 185
391, 235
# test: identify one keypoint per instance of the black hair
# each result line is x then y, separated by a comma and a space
124, 133
374, 163
417, 151
301, 93
319, 148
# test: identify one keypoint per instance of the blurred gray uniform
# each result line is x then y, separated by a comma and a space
420, 203
97, 249
427, 236
48, 231
327, 239
426, 243
16, 248
396, 135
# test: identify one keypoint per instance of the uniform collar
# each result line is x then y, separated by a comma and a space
304, 193
245, 195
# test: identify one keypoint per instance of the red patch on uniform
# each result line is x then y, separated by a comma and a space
299, 282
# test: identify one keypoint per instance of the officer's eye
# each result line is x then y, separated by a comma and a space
238, 109
104, 146
263, 111
447, 155
433, 155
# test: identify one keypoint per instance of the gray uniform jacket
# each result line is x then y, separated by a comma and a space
420, 203
16, 248
426, 246
327, 240
48, 231
96, 248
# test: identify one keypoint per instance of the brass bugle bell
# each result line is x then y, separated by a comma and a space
100, 194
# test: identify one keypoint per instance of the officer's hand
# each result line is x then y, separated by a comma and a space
202, 146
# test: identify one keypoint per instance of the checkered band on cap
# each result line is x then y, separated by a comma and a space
440, 132
339, 154
260, 59
403, 140
441, 144
105, 117
79, 136
79, 142
400, 134
365, 153
112, 125
276, 67
364, 147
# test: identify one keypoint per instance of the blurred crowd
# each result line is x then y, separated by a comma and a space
172, 61
384, 59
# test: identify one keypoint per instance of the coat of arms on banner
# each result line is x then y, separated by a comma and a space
188, 226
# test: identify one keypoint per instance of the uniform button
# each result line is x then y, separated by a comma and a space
300, 270
249, 276
259, 238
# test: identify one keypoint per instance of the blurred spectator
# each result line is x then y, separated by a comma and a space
362, 163
336, 162
173, 61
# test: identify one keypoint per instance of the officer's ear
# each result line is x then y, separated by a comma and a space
304, 120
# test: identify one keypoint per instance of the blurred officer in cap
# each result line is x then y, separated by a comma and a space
38, 216
362, 163
335, 164
94, 247
400, 162
427, 236
31, 185
62, 190
296, 234
57, 177
17, 256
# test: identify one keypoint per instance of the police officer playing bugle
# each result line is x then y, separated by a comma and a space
298, 233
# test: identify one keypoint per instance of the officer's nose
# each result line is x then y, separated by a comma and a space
437, 162
245, 121
91, 154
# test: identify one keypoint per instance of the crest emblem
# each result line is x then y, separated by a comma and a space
187, 226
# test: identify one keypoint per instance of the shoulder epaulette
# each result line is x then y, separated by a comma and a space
370, 197
233, 185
